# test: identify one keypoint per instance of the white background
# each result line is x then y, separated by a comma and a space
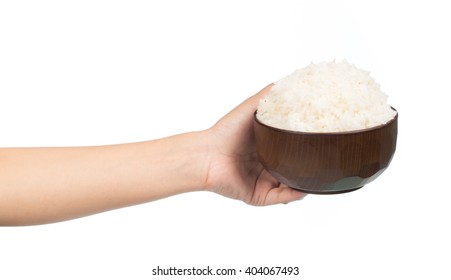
104, 72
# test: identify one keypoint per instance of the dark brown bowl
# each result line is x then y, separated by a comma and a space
326, 163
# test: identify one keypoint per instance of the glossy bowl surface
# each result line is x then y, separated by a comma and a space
326, 163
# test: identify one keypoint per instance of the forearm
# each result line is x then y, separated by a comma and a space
42, 185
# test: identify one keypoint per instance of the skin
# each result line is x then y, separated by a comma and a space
46, 185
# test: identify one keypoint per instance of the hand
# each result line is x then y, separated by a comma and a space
234, 170
44, 185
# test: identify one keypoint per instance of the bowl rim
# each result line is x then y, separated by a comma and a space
394, 119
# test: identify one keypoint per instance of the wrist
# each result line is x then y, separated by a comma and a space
198, 158
187, 157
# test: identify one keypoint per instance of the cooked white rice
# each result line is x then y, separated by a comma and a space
325, 97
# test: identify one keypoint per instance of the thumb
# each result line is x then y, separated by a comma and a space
243, 113
252, 102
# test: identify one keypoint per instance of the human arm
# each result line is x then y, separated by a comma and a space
44, 185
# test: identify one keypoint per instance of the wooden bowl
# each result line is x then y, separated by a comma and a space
326, 163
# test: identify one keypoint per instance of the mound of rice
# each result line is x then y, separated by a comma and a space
325, 97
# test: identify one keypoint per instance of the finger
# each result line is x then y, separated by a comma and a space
243, 113
283, 194
252, 102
